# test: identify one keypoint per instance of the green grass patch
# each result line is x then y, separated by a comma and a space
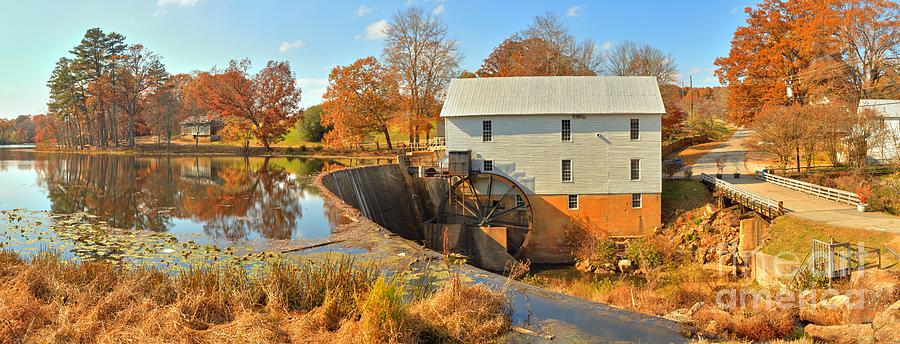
679, 196
791, 237
294, 139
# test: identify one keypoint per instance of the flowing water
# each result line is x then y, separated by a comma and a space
116, 206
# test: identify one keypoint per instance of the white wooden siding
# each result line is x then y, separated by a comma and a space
889, 149
533, 146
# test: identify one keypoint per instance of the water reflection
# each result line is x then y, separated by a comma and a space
229, 198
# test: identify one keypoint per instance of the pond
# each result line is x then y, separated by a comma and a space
197, 201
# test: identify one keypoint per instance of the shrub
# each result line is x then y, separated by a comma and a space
886, 195
645, 253
582, 239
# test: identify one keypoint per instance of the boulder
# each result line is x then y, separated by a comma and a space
886, 325
584, 265
831, 311
842, 334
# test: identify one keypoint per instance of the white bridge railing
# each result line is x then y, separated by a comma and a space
836, 195
765, 206
430, 145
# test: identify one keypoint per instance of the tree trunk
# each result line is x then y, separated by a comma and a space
387, 137
130, 126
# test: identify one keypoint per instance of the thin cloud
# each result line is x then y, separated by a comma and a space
285, 46
574, 11
374, 31
362, 10
438, 10
735, 10
161, 5
177, 3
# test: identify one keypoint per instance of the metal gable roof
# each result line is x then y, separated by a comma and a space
547, 95
889, 108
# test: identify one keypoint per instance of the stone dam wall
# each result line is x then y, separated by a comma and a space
388, 196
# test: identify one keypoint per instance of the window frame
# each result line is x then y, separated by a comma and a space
634, 129
569, 201
487, 130
562, 168
631, 169
640, 200
520, 201
565, 130
487, 163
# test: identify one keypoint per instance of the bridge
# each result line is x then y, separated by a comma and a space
773, 196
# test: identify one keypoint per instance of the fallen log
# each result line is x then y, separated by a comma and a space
313, 246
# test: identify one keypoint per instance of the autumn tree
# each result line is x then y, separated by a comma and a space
545, 47
810, 52
868, 32
361, 98
140, 72
47, 132
263, 105
630, 58
418, 48
776, 131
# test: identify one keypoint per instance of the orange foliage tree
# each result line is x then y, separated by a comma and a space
264, 105
546, 47
361, 98
808, 52
47, 131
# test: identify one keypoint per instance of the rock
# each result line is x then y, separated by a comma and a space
832, 311
726, 259
584, 265
887, 325
837, 301
709, 210
886, 289
679, 315
624, 265
606, 268
842, 334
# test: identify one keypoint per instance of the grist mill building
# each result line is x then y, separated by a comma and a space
577, 145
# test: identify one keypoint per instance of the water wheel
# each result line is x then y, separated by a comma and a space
489, 200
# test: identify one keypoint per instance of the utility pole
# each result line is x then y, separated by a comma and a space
691, 79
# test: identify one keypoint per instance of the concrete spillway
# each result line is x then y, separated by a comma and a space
385, 195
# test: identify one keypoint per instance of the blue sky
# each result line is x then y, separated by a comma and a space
317, 35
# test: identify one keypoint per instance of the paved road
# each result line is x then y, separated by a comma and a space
732, 152
800, 204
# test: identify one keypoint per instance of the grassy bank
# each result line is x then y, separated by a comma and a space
679, 196
791, 237
49, 300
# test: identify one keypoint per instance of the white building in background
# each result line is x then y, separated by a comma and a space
887, 148
578, 145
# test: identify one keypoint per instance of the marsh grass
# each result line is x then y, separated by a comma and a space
46, 299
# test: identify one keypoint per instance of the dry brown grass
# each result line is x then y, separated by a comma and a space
464, 313
747, 323
50, 300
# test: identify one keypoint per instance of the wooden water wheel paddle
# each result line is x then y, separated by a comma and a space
487, 199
